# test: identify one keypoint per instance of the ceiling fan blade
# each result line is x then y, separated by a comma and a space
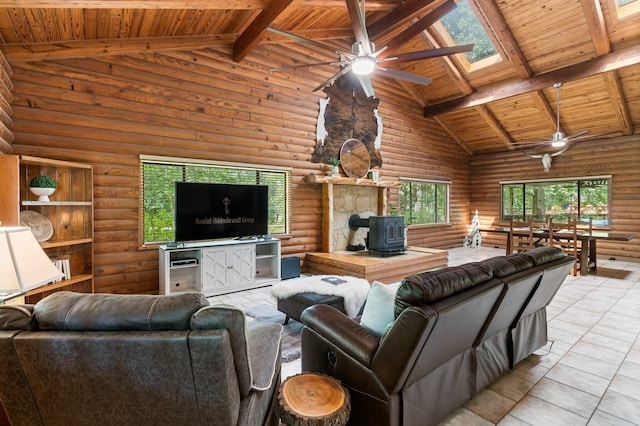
403, 75
305, 40
419, 26
333, 78
431, 53
365, 83
577, 135
584, 137
290, 67
359, 28
530, 145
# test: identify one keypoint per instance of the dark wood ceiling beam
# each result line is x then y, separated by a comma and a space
502, 37
93, 48
256, 29
597, 26
618, 59
418, 27
618, 104
395, 17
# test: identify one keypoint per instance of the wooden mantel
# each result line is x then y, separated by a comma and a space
340, 180
327, 200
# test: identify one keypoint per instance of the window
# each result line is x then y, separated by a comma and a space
462, 26
580, 198
159, 175
424, 202
626, 8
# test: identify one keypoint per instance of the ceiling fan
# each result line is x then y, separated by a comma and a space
559, 139
364, 60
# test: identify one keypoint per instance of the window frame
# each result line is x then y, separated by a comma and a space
576, 180
625, 11
447, 210
186, 162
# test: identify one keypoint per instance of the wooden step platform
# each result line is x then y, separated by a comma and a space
387, 269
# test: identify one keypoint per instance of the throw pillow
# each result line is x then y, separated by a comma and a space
378, 309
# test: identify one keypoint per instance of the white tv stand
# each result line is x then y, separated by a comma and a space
219, 266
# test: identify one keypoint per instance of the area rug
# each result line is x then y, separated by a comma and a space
268, 313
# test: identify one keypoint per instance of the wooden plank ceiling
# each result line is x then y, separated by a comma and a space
582, 43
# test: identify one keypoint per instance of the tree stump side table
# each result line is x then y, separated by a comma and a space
311, 399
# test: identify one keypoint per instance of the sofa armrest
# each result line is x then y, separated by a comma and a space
263, 341
342, 331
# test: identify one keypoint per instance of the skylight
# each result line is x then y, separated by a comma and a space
463, 27
627, 7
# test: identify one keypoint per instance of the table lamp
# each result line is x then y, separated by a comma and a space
23, 264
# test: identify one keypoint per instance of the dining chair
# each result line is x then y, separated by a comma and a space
565, 236
521, 234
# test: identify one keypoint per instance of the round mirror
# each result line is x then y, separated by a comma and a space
355, 159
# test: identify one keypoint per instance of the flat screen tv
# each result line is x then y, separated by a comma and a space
208, 211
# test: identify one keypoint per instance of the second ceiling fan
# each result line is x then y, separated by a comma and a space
364, 60
559, 139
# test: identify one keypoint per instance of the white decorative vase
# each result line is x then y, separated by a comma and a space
42, 193
335, 171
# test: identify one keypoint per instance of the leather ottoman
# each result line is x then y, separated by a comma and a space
293, 306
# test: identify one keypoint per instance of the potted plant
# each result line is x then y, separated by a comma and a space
334, 162
42, 186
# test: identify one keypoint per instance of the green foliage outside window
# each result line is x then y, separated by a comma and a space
582, 199
464, 28
159, 193
424, 202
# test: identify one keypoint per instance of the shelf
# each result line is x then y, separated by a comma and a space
59, 284
193, 265
57, 203
70, 212
339, 180
265, 256
63, 243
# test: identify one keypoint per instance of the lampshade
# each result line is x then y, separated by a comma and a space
23, 263
363, 65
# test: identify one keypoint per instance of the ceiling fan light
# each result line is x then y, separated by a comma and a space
559, 139
363, 65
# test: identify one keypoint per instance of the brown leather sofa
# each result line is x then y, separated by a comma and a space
455, 331
97, 359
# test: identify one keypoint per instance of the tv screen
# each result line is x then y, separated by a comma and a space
207, 211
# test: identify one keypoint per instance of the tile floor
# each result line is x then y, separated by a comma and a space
590, 375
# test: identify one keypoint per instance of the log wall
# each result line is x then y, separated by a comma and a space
106, 111
616, 157
6, 111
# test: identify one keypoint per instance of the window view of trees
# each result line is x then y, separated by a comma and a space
424, 202
464, 28
158, 188
582, 199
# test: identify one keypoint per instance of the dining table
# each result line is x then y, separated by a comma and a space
588, 255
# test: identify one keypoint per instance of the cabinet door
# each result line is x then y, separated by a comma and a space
215, 263
242, 266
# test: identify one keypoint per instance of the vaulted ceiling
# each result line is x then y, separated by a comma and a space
581, 43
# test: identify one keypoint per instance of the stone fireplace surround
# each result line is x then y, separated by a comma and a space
343, 197
349, 200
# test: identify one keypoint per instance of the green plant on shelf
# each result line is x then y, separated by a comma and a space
42, 181
333, 161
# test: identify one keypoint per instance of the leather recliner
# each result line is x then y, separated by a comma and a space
80, 359
455, 330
